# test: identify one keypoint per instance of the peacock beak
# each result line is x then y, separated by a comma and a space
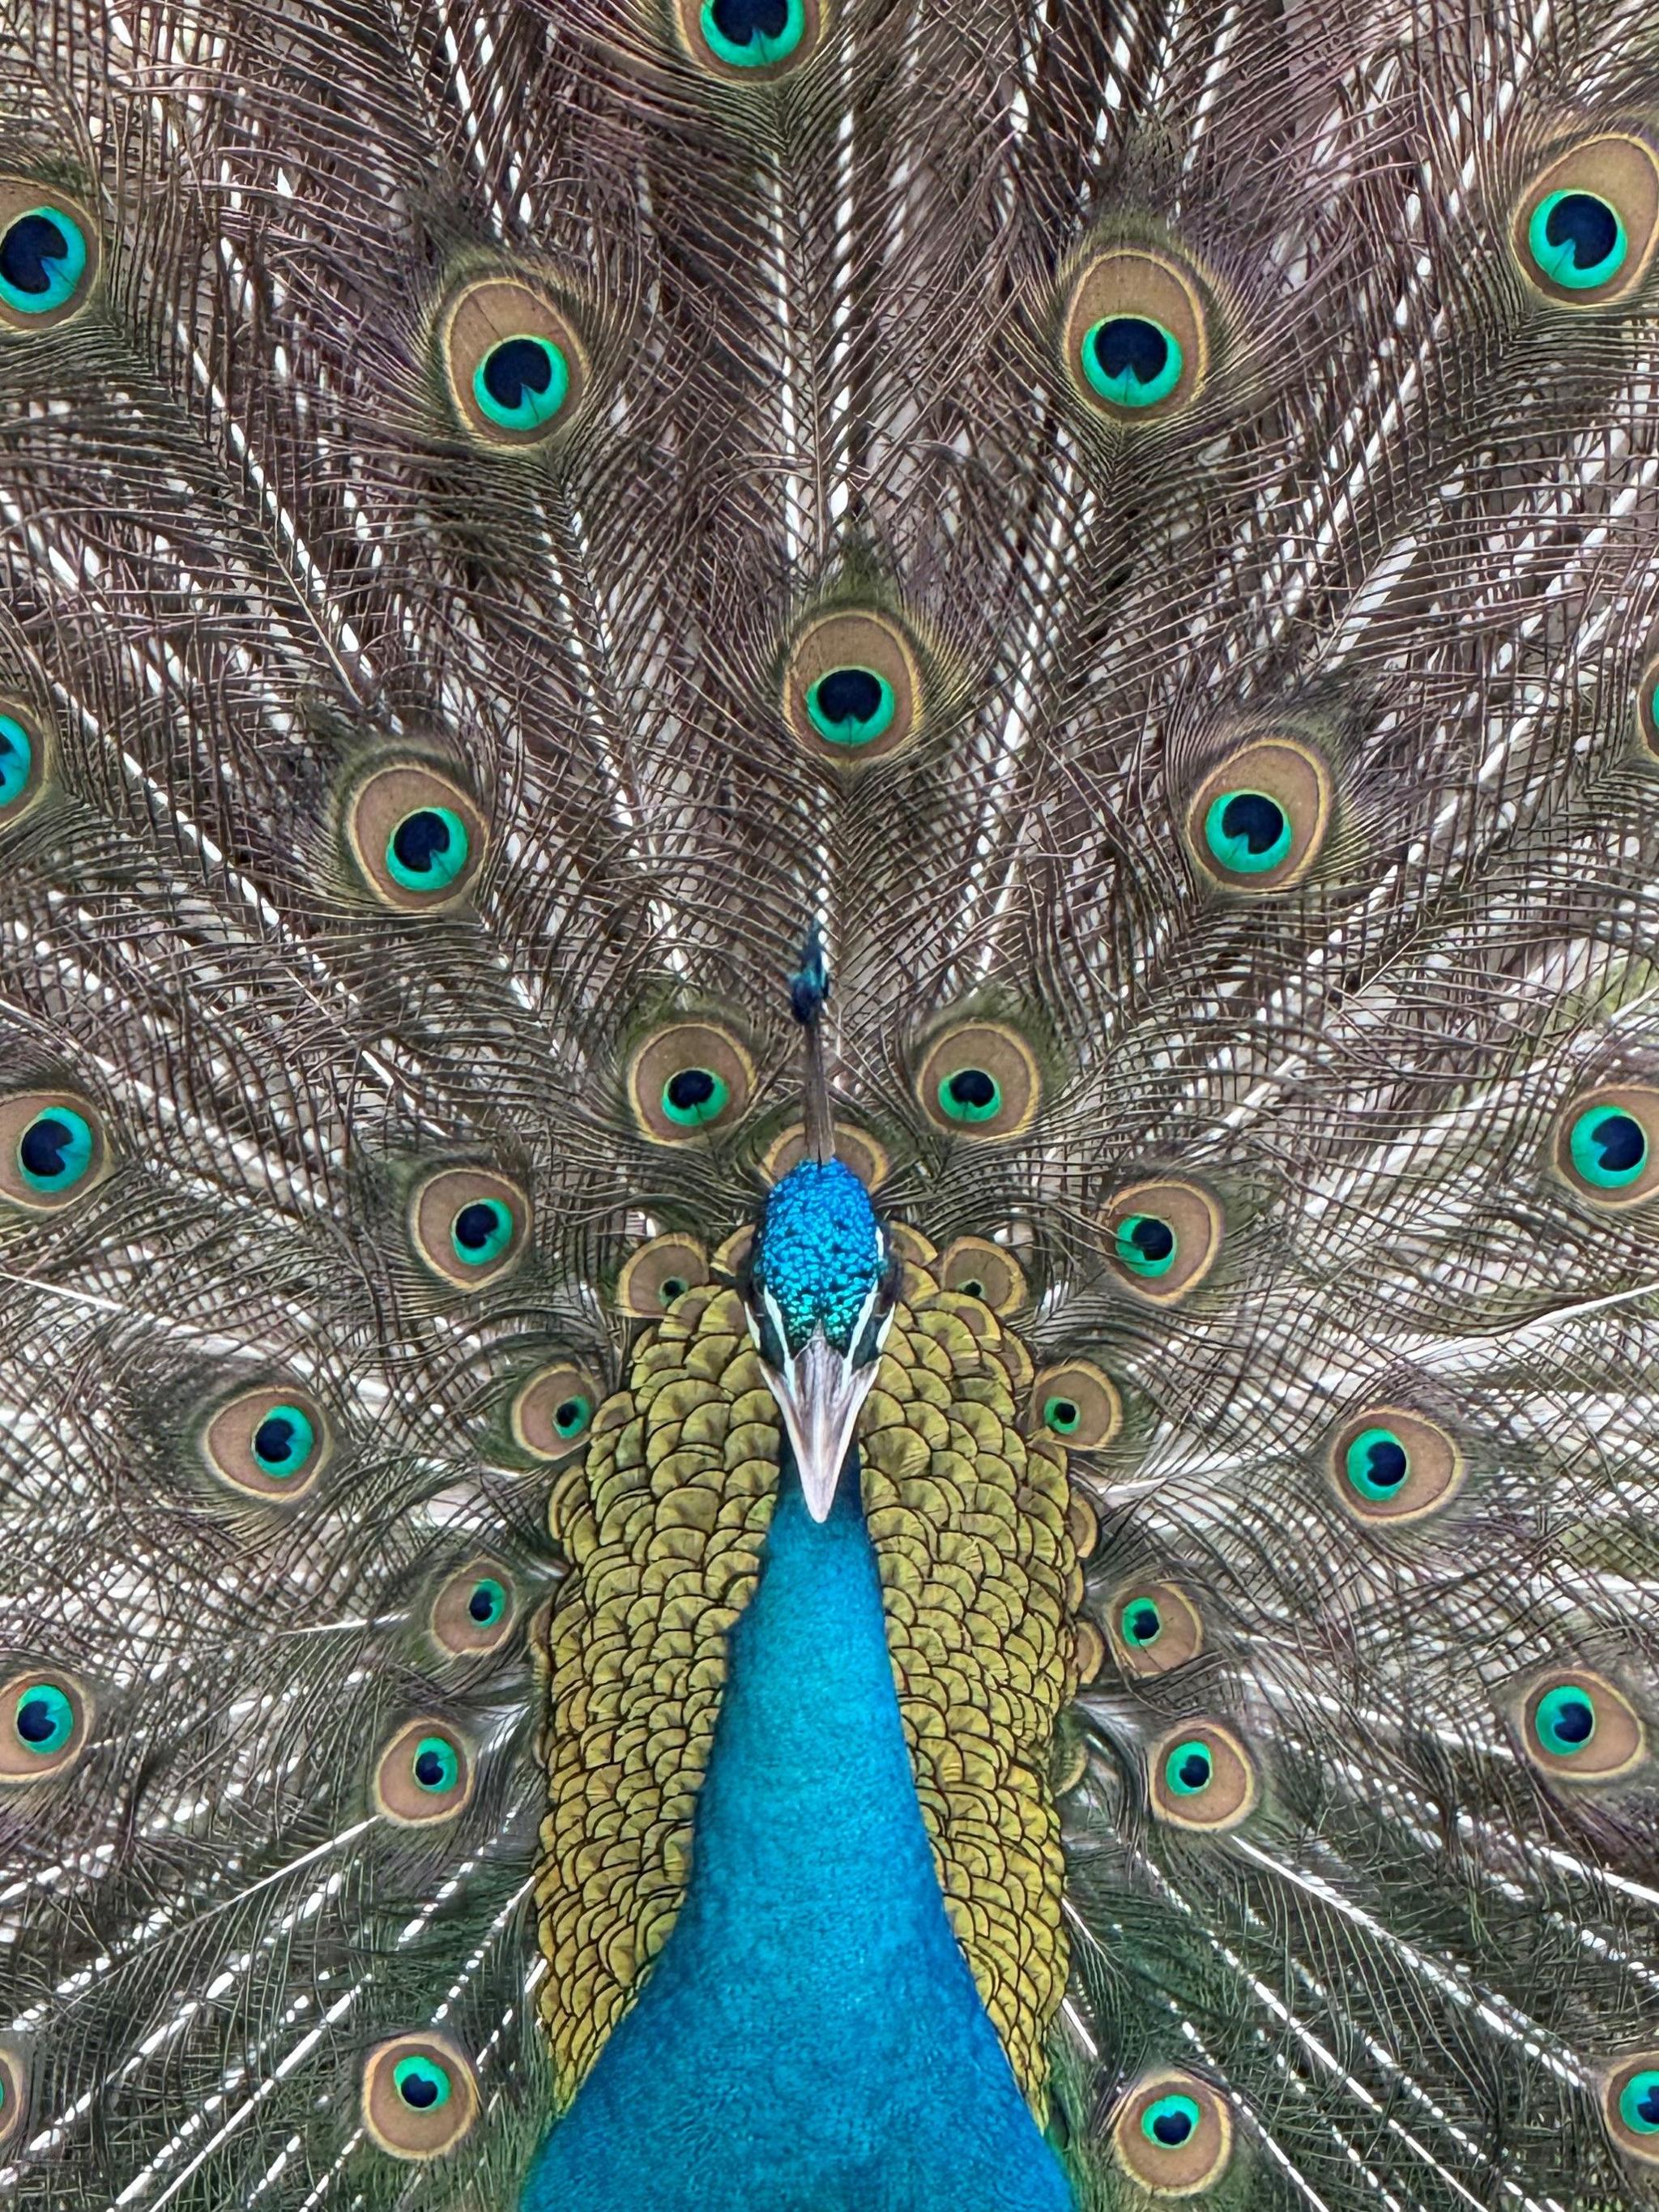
820, 1393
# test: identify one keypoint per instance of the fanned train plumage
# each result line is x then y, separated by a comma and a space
1006, 1563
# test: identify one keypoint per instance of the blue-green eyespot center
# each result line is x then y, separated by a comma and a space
43, 258
1577, 239
851, 705
487, 1603
436, 1766
1564, 1720
1609, 1147
1189, 1768
1062, 1415
1169, 2121
1142, 1623
1144, 1245
753, 33
55, 1151
1132, 361
1638, 2102
521, 382
572, 1415
694, 1095
1377, 1462
1248, 832
43, 1719
970, 1094
284, 1440
422, 2084
482, 1232
17, 759
429, 849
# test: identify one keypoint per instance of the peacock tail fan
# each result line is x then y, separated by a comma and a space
1007, 1565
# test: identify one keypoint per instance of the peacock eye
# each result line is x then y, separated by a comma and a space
515, 367
1161, 1238
13, 2093
748, 39
1077, 1402
416, 837
1647, 707
1604, 1144
979, 1080
1257, 821
1155, 1628
469, 1225
658, 1273
1577, 240
419, 2097
521, 383
272, 1443
1583, 231
856, 1148
690, 1079
1202, 1777
1132, 361
472, 1610
976, 1269
43, 1726
48, 257
20, 763
1631, 2104
1173, 2134
553, 1411
51, 1149
1580, 1727
423, 1775
1389, 1465
1136, 341
851, 707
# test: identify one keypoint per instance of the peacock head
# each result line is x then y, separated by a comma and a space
822, 1275
820, 1303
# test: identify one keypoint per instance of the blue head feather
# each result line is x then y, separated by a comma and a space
820, 1252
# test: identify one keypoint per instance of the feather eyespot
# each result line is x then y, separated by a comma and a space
14, 2091
1389, 1465
1630, 2106
856, 1148
1647, 706
553, 1412
51, 1149
1076, 1402
424, 1775
24, 752
658, 1274
1136, 336
1606, 1145
475, 1610
1155, 1627
1161, 1238
748, 40
49, 256
980, 1269
469, 1225
273, 1442
979, 1080
1202, 1777
516, 367
43, 1721
1575, 1726
690, 1080
419, 2096
1585, 230
1173, 2134
1258, 820
418, 839
853, 686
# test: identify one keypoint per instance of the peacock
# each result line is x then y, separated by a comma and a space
828, 1105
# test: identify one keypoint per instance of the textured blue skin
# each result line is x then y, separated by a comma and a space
810, 2039
819, 1250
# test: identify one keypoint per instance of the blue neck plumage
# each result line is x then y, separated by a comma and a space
810, 2039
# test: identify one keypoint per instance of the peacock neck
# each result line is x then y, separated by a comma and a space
811, 2038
